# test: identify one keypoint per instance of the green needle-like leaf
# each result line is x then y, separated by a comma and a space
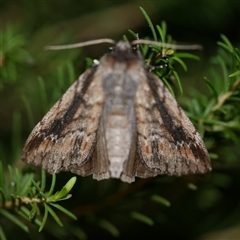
36, 185
13, 219
2, 235
43, 180
178, 81
161, 200
180, 61
26, 181
109, 227
149, 23
33, 211
54, 215
142, 218
52, 185
64, 210
44, 220
65, 190
235, 74
43, 95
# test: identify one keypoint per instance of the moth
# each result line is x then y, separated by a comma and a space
117, 120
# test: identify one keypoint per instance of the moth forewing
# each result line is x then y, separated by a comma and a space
117, 120
64, 140
100, 158
168, 142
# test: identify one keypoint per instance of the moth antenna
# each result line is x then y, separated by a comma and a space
82, 44
168, 45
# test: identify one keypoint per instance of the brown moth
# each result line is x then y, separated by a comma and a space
117, 120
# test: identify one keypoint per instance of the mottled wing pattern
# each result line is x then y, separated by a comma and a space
168, 143
64, 140
117, 120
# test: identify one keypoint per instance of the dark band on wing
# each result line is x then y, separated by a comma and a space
175, 130
58, 125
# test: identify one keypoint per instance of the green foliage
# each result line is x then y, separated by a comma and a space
163, 60
111, 207
161, 200
142, 218
24, 197
108, 226
13, 56
219, 114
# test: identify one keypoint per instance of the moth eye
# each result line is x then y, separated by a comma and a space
95, 62
136, 49
111, 49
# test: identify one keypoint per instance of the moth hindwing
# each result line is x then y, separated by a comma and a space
117, 120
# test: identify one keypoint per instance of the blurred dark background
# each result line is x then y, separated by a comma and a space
212, 208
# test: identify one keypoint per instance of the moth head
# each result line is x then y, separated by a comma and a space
123, 46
